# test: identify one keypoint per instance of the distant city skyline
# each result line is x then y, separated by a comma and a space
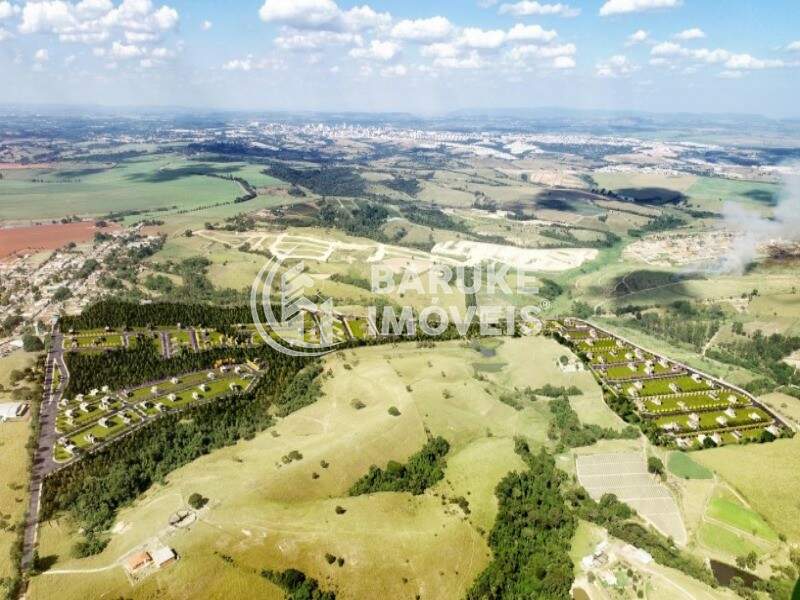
423, 58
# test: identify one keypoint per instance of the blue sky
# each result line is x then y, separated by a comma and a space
409, 55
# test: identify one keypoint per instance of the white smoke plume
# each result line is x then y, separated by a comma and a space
752, 230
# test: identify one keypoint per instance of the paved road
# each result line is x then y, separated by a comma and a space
43, 462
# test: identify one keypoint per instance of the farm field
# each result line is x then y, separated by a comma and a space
626, 476
747, 467
682, 465
134, 184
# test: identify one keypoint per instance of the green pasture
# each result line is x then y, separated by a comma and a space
681, 465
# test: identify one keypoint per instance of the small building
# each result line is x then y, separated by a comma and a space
160, 407
154, 390
174, 381
730, 413
203, 387
105, 403
163, 556
721, 420
211, 375
94, 392
86, 407
89, 437
172, 397
696, 377
773, 429
104, 423
673, 388
754, 416
233, 386
125, 418
138, 561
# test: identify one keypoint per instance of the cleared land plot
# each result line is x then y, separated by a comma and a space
693, 402
23, 240
718, 419
661, 387
637, 370
681, 464
747, 468
626, 476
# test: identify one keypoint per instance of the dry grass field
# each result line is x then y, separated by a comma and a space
267, 514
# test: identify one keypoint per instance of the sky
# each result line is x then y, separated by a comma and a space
424, 57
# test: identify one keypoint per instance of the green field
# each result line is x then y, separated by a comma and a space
681, 464
140, 184
731, 512
766, 475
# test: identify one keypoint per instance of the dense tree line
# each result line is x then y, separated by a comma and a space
569, 431
406, 185
681, 322
366, 220
660, 223
116, 314
762, 354
422, 470
325, 181
531, 537
93, 489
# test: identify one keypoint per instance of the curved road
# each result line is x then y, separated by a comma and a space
43, 462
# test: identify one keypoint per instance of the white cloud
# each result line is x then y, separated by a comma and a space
137, 37
520, 53
616, 66
324, 15
5, 34
377, 50
618, 7
303, 14
739, 62
563, 62
147, 63
250, 64
99, 51
794, 46
530, 33
394, 71
68, 60
474, 37
472, 61
42, 55
695, 33
162, 53
440, 50
313, 40
730, 74
8, 10
637, 37
668, 49
710, 56
528, 8
119, 50
93, 21
206, 25
364, 17
423, 30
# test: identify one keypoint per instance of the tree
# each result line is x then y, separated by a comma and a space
655, 466
32, 343
197, 501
